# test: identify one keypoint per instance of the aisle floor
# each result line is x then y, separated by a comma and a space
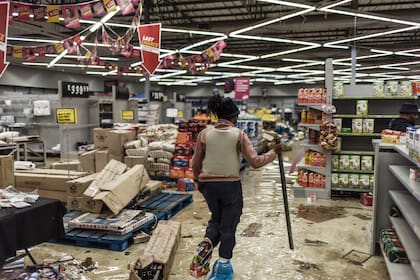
262, 251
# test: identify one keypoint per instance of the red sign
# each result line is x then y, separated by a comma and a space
149, 36
242, 88
4, 22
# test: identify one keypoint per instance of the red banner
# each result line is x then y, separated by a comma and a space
4, 22
242, 88
149, 36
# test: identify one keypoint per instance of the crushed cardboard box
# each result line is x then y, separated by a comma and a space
116, 157
109, 173
101, 159
116, 194
45, 182
69, 165
87, 161
100, 137
78, 186
7, 176
53, 172
74, 203
161, 248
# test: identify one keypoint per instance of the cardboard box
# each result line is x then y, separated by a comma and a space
109, 173
59, 195
43, 181
101, 159
117, 139
7, 169
74, 203
133, 160
161, 247
69, 165
91, 205
119, 158
54, 172
116, 194
100, 137
78, 186
87, 161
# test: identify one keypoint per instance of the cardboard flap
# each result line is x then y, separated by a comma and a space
112, 170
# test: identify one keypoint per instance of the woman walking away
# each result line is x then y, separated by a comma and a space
216, 166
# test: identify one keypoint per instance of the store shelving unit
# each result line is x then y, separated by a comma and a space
323, 193
352, 171
393, 187
106, 114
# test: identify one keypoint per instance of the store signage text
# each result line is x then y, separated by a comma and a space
127, 115
78, 90
150, 46
66, 115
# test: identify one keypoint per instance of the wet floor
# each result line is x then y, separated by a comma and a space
324, 232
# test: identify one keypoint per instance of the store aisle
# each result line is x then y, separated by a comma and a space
262, 250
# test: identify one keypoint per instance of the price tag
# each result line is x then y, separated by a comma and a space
66, 115
127, 115
75, 90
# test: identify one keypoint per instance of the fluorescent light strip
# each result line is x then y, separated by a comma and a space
57, 58
287, 3
113, 72
336, 4
276, 40
203, 43
104, 20
334, 44
155, 78
290, 51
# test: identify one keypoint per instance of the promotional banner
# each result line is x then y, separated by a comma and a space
4, 22
149, 36
242, 88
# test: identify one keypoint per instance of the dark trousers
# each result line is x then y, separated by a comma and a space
225, 202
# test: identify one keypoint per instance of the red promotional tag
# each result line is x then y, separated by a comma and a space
4, 22
149, 35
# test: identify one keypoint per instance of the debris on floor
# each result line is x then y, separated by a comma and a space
274, 214
253, 230
357, 257
320, 214
362, 217
315, 242
306, 265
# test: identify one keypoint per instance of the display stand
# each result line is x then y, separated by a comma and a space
393, 187
322, 193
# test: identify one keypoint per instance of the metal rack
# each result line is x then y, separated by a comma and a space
393, 187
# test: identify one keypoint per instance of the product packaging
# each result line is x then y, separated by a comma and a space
338, 123
378, 88
344, 162
343, 180
355, 162
371, 181
368, 125
391, 88
334, 180
364, 181
354, 181
414, 174
405, 88
366, 163
361, 107
357, 126
335, 161
338, 89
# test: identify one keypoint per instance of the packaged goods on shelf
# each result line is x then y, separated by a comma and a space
343, 180
368, 125
414, 174
354, 181
357, 126
308, 179
312, 96
338, 123
315, 158
411, 131
354, 162
328, 136
416, 88
391, 88
162, 132
335, 162
405, 88
378, 88
391, 136
313, 116
371, 181
393, 247
334, 180
338, 89
361, 107
364, 181
366, 163
344, 162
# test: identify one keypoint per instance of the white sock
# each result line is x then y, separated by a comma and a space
223, 260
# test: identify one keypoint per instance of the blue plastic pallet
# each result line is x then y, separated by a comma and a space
166, 205
98, 239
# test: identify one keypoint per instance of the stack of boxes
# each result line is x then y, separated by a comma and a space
315, 158
352, 163
312, 96
308, 179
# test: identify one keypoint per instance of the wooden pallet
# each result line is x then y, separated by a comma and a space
166, 205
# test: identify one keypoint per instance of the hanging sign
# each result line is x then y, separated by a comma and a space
66, 115
127, 115
149, 35
78, 90
242, 88
4, 22
157, 96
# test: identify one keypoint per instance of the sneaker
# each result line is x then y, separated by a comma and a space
200, 264
221, 271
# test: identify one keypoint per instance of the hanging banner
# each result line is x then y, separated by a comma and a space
242, 88
149, 36
4, 22
126, 7
39, 13
86, 11
53, 14
71, 16
24, 11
